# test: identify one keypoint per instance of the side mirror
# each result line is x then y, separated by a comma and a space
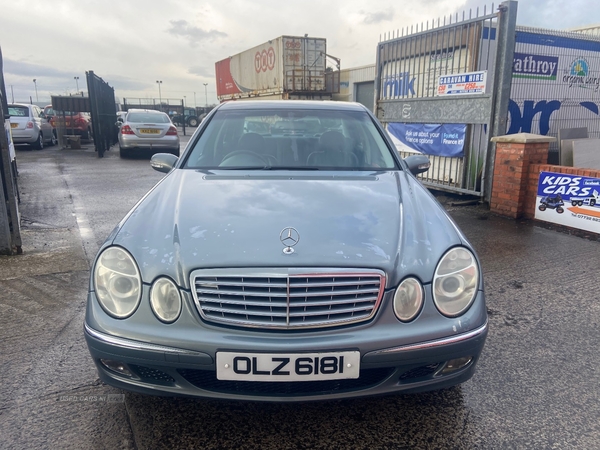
163, 162
417, 163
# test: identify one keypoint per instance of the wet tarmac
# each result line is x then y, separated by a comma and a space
536, 386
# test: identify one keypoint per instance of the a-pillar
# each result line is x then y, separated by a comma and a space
514, 154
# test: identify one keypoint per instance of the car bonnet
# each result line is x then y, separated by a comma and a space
193, 220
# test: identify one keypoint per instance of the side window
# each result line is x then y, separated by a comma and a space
37, 112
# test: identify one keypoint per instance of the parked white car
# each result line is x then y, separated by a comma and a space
29, 125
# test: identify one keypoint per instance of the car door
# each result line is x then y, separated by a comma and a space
44, 123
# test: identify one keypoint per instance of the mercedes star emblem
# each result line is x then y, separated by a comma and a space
289, 237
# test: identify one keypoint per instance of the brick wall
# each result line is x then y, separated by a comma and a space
533, 177
514, 156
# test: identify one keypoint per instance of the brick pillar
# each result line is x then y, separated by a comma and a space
514, 154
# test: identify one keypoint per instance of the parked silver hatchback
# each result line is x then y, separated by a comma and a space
147, 131
29, 125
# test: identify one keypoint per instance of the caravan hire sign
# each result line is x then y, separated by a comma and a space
569, 200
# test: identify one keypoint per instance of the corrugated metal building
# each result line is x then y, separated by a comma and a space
357, 85
593, 30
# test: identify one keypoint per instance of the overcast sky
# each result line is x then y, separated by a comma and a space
133, 43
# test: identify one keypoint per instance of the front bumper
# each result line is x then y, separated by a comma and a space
171, 366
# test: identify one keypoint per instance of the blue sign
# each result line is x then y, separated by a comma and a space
431, 139
537, 67
571, 188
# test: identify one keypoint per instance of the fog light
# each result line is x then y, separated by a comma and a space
116, 366
456, 364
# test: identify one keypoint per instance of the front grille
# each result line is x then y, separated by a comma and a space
286, 299
207, 380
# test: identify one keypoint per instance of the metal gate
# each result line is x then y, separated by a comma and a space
104, 113
415, 67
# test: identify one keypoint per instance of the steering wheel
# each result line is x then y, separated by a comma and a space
259, 158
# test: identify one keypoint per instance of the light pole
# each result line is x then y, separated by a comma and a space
205, 96
184, 100
159, 82
77, 83
36, 94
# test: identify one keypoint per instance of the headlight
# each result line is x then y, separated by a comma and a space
117, 282
408, 299
455, 282
165, 300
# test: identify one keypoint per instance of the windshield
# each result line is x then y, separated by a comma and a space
142, 117
291, 139
18, 111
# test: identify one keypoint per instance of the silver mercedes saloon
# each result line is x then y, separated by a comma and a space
288, 254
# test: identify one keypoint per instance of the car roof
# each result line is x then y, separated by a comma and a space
20, 104
292, 104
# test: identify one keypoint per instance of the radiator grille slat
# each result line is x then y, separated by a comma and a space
288, 301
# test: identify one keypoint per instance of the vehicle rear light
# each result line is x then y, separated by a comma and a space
29, 124
80, 121
126, 129
172, 131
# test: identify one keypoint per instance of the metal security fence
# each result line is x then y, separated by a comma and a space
417, 70
104, 112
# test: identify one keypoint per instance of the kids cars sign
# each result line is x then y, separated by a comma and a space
569, 200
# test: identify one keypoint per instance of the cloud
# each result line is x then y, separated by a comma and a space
377, 17
22, 68
202, 71
193, 34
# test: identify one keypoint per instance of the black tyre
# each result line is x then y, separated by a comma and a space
86, 134
193, 122
54, 140
560, 210
39, 144
574, 203
592, 202
542, 207
580, 203
124, 153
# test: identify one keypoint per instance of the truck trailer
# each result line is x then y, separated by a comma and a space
284, 68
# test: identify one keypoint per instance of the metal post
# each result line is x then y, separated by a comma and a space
159, 82
77, 83
205, 96
183, 116
507, 24
36, 94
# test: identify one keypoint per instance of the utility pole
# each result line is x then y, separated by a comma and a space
205, 95
12, 93
77, 83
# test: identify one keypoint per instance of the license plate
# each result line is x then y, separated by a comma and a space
14, 125
148, 131
287, 367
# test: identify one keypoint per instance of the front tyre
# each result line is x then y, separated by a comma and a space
560, 210
542, 207
193, 122
54, 140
